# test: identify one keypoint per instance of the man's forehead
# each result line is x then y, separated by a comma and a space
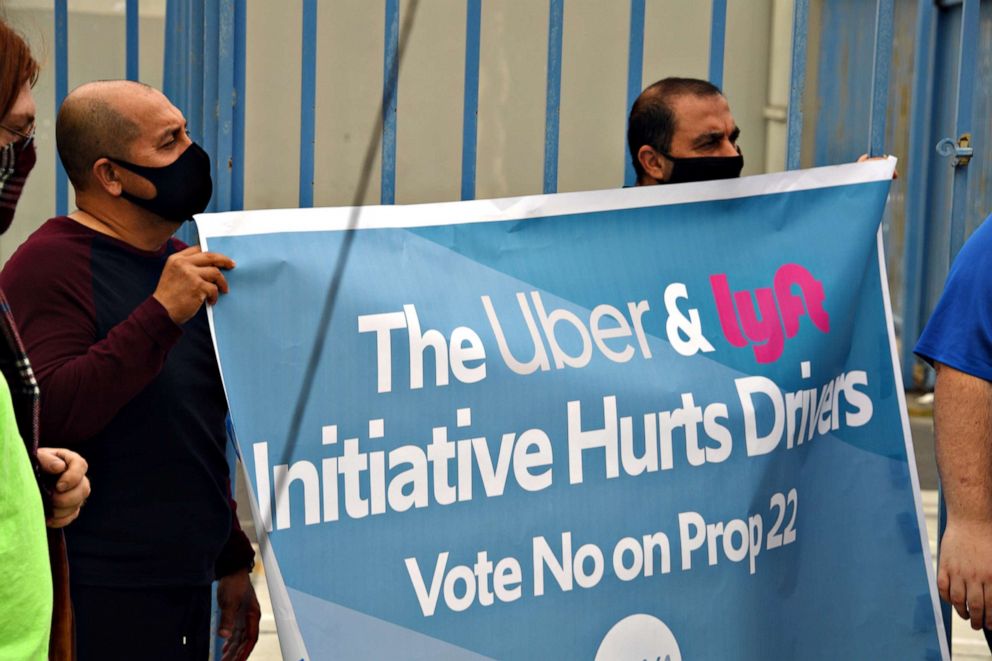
149, 105
701, 114
153, 112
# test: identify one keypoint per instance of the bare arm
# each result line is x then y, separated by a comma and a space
963, 426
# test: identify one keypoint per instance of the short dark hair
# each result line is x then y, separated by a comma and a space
652, 121
88, 128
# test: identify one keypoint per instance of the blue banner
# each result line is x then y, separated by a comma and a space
657, 423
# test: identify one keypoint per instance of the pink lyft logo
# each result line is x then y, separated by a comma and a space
766, 327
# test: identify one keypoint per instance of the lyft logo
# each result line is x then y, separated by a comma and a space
772, 315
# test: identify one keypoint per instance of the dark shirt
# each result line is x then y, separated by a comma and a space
139, 397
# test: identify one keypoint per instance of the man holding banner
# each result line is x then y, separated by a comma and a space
111, 312
681, 130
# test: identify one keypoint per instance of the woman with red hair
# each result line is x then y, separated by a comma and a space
18, 74
36, 484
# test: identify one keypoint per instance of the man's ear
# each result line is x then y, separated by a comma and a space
654, 164
104, 174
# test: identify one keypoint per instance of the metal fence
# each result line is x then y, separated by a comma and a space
205, 76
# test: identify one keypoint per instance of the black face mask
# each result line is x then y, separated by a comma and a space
183, 188
704, 168
16, 161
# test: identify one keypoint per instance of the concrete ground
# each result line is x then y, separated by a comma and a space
966, 645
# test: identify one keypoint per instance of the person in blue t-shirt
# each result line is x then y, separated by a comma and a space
958, 342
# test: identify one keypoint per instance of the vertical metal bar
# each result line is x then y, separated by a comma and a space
718, 37
390, 88
635, 77
920, 142
61, 89
193, 78
219, 53
308, 101
194, 69
131, 19
552, 107
211, 30
880, 77
238, 146
170, 70
224, 157
470, 112
800, 24
966, 77
179, 58
183, 54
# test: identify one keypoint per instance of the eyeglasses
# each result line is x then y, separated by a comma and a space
27, 135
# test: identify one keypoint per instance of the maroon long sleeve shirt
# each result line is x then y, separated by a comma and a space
139, 397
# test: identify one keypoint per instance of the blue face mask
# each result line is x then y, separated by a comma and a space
704, 168
183, 188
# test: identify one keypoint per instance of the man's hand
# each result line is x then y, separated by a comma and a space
191, 277
866, 157
72, 488
239, 615
964, 577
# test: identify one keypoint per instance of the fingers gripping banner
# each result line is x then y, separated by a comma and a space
658, 423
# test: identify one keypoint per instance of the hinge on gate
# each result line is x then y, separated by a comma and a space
961, 150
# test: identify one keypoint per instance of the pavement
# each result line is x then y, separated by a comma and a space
966, 645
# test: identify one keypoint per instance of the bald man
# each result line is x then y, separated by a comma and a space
111, 309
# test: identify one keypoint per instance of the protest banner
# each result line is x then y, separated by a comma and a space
650, 423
